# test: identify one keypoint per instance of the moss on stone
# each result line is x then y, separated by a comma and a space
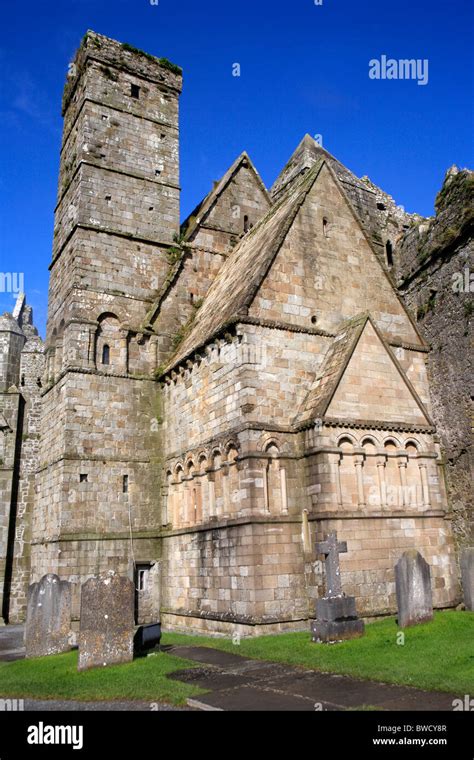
162, 61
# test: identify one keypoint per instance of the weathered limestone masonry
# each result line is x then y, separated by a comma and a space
220, 396
299, 395
117, 215
435, 272
21, 372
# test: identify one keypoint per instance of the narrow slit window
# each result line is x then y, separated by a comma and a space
325, 227
389, 253
106, 354
246, 223
135, 91
125, 484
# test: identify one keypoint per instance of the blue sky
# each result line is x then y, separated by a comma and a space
304, 68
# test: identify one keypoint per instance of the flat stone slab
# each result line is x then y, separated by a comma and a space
413, 587
206, 678
467, 577
209, 656
255, 698
107, 623
274, 686
48, 617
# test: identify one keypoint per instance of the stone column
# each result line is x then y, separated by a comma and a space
424, 486
266, 498
212, 496
204, 497
380, 461
358, 464
284, 493
59, 362
225, 488
402, 467
338, 480
305, 531
198, 501
186, 503
123, 351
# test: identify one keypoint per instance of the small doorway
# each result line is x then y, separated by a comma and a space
145, 592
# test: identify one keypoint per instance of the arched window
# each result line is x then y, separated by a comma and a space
411, 448
389, 253
345, 443
108, 343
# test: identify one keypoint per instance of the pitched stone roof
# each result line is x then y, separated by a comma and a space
362, 193
240, 276
202, 210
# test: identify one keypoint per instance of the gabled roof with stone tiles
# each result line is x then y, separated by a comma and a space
240, 276
334, 366
304, 157
198, 216
232, 292
362, 193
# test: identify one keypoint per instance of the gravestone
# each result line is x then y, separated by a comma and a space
413, 586
336, 616
107, 621
48, 617
467, 577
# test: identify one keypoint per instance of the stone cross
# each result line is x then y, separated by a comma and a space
331, 548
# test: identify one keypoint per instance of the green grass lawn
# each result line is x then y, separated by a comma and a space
437, 655
56, 677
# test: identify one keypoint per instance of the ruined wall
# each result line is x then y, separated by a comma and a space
434, 268
21, 372
11, 409
31, 374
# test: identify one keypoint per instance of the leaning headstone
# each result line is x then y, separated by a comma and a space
336, 616
467, 577
107, 621
48, 617
413, 586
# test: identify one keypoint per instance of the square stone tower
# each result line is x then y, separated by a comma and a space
116, 217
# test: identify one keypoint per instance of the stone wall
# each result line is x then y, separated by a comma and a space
434, 269
98, 503
20, 419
